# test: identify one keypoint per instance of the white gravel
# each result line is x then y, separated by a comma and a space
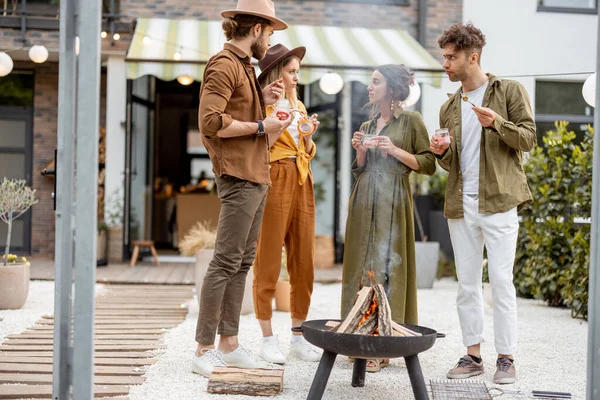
552, 352
40, 301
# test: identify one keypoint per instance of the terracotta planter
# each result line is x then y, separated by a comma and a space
203, 258
324, 252
282, 296
14, 285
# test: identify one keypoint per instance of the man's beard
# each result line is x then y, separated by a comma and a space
258, 49
459, 76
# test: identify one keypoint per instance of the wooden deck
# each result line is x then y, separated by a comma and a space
123, 342
143, 273
148, 273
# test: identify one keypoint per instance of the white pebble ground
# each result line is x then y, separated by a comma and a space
552, 352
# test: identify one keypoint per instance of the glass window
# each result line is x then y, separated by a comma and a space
567, 5
17, 235
16, 89
12, 133
12, 165
384, 2
561, 101
560, 98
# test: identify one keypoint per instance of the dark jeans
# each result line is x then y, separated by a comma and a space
242, 206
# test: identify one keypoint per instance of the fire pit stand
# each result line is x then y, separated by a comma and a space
363, 347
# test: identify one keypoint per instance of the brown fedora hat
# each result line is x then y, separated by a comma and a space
259, 8
274, 56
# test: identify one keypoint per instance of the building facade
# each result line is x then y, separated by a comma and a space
423, 20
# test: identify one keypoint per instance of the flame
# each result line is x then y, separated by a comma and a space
370, 311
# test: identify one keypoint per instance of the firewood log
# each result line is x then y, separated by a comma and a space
362, 304
252, 382
384, 313
367, 327
404, 330
332, 324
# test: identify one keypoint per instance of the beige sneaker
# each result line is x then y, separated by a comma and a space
505, 371
465, 368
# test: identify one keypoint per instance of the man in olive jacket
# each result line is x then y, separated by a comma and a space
491, 126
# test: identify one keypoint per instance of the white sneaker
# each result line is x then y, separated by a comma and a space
241, 358
270, 351
206, 363
303, 350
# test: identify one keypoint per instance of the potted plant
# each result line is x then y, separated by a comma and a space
199, 242
15, 199
114, 225
283, 287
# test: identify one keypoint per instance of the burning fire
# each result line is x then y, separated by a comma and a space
372, 309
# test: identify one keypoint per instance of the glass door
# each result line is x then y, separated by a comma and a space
139, 162
16, 147
15, 163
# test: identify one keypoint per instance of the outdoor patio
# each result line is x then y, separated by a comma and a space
552, 350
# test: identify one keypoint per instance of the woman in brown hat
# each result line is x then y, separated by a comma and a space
380, 232
289, 217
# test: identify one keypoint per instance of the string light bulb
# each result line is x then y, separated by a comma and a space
146, 40
103, 34
177, 56
116, 36
185, 80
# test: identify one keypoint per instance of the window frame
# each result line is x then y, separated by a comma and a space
399, 3
568, 10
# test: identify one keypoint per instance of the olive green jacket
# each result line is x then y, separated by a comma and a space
502, 181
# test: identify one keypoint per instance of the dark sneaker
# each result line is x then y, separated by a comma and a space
505, 371
465, 368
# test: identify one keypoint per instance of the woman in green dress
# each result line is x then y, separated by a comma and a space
380, 229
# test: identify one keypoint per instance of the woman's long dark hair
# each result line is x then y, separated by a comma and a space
398, 78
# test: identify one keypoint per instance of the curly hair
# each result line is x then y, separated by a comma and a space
463, 37
239, 26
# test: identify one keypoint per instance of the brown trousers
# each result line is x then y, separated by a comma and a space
289, 219
242, 207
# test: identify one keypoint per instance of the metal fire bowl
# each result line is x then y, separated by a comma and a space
364, 346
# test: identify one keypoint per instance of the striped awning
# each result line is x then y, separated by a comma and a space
168, 48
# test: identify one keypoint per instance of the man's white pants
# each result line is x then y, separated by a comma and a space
499, 234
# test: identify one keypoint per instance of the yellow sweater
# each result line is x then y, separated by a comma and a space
286, 147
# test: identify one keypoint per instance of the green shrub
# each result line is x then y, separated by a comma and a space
552, 261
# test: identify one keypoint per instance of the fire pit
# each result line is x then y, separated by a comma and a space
363, 347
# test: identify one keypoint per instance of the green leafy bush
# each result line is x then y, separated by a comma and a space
553, 252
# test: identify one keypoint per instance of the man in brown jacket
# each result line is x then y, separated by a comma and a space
491, 124
237, 136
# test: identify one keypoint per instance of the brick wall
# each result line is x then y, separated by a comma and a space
45, 125
440, 15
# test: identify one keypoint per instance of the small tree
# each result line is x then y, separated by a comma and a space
15, 199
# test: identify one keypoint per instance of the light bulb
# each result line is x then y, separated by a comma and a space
116, 36
6, 64
177, 56
38, 54
589, 90
146, 40
185, 80
103, 34
331, 83
413, 96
